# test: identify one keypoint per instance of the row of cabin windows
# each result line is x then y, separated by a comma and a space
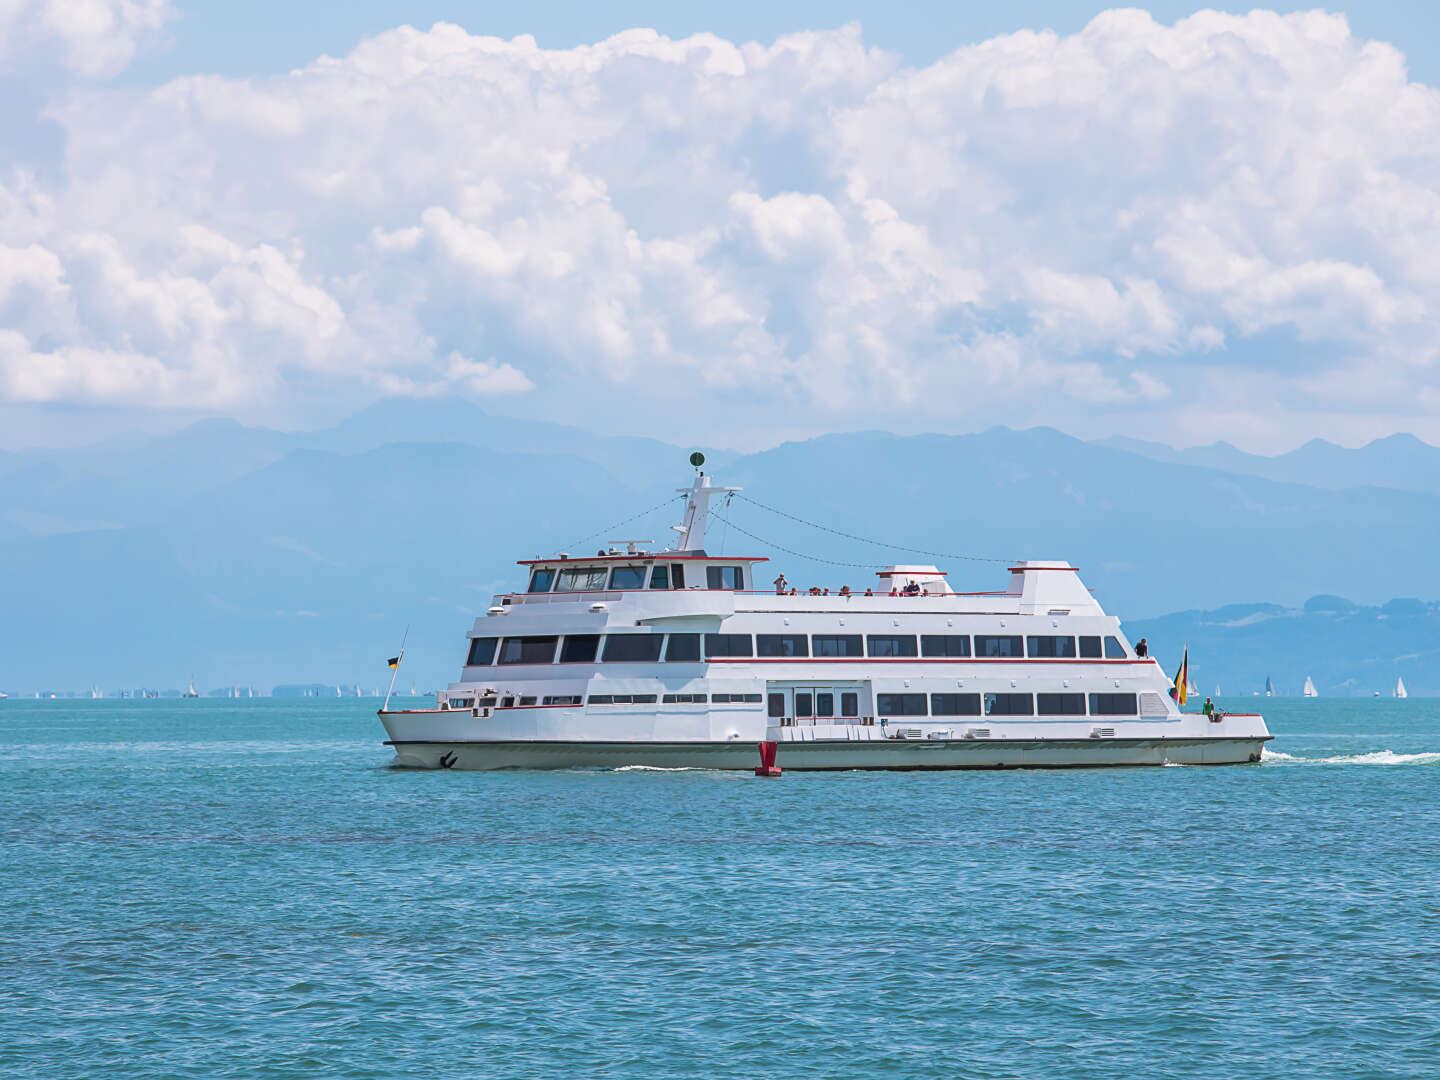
647, 648
661, 575
608, 699
818, 703
1005, 705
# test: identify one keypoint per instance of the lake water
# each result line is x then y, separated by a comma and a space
243, 889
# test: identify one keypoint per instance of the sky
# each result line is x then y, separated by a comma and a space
738, 224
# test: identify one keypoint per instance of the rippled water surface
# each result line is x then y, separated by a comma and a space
243, 889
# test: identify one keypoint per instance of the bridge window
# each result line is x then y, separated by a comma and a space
541, 580
1009, 704
781, 645
1089, 648
683, 647
581, 579
482, 652
901, 704
954, 704
836, 645
725, 577
660, 577
579, 648
891, 645
528, 650
945, 645
1114, 650
1060, 704
727, 645
1051, 646
627, 577
991, 645
1113, 705
644, 648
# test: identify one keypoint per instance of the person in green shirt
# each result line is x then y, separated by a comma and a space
1209, 709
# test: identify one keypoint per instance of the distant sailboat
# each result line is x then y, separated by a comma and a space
1310, 688
1269, 689
1192, 689
1400, 691
1217, 689
191, 691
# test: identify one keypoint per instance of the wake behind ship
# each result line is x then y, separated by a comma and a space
675, 659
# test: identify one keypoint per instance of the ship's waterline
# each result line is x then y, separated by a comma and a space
674, 659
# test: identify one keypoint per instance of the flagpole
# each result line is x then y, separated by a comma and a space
395, 671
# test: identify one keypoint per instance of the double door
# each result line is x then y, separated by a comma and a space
811, 704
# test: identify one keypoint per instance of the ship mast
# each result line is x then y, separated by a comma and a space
697, 507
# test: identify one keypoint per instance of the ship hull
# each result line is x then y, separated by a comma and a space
889, 754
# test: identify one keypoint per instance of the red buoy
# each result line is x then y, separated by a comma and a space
767, 766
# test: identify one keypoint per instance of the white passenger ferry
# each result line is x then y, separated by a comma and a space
675, 659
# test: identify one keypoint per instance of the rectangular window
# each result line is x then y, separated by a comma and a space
482, 652
603, 699
849, 704
1009, 705
1114, 650
901, 704
644, 648
579, 648
528, 650
1089, 648
524, 701
891, 645
581, 579
1060, 704
643, 699
677, 576
541, 580
683, 699
725, 645
627, 577
683, 647
622, 699
562, 699
781, 645
836, 645
824, 704
775, 706
735, 699
1051, 647
804, 705
952, 645
992, 645
660, 577
725, 577
1113, 705
954, 704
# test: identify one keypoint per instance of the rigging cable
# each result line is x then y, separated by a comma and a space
863, 539
790, 551
627, 521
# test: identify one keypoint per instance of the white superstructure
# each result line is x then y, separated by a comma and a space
680, 658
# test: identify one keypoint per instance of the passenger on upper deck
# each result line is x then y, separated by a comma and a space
780, 585
1141, 649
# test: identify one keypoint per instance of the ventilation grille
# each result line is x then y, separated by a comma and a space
1102, 733
977, 733
907, 733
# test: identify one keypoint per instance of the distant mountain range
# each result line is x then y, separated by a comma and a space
253, 556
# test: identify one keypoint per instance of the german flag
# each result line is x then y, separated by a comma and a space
1182, 678
393, 662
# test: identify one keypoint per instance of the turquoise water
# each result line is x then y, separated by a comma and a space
242, 889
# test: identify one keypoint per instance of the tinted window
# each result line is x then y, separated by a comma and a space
1060, 704
579, 648
825, 704
728, 645
627, 577
955, 704
804, 704
1052, 646
644, 647
528, 650
578, 578
482, 652
990, 645
725, 577
660, 577
1009, 705
1090, 648
683, 647
566, 699
849, 704
1114, 650
901, 704
1113, 705
541, 580
776, 705
524, 701
781, 645
677, 576
836, 645
944, 644
891, 645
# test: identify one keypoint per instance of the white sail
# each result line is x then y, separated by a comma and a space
1310, 688
1400, 691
